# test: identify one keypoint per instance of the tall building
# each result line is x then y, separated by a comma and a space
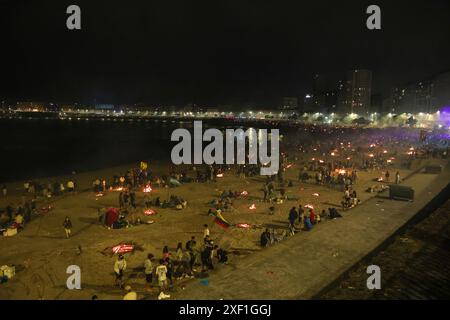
325, 93
358, 89
340, 96
427, 95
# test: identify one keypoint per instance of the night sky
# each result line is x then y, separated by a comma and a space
212, 52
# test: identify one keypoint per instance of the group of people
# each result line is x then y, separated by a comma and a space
15, 218
182, 263
299, 219
350, 198
48, 190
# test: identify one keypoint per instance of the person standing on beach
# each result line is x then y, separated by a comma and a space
121, 200
205, 231
161, 273
26, 186
119, 267
67, 227
397, 178
293, 216
148, 269
301, 214
133, 199
70, 186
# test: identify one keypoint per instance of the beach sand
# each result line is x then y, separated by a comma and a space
42, 254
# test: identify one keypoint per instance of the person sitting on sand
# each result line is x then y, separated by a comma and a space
130, 294
308, 224
334, 213
19, 220
221, 254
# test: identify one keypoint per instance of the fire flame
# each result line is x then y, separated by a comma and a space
122, 248
147, 189
149, 212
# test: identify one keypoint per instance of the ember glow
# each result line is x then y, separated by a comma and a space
123, 248
252, 207
244, 193
219, 175
147, 189
149, 212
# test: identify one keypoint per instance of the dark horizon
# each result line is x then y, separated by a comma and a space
210, 53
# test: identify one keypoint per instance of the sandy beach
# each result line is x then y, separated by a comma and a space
41, 253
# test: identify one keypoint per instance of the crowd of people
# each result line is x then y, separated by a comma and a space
335, 163
193, 259
14, 218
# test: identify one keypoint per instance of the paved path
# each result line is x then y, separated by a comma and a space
298, 268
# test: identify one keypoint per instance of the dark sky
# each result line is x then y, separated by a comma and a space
212, 52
